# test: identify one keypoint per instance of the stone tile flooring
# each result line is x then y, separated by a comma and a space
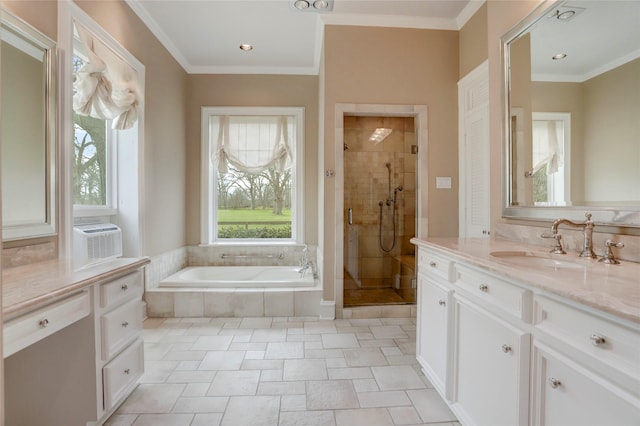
281, 371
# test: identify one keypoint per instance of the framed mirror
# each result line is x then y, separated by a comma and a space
28, 130
571, 110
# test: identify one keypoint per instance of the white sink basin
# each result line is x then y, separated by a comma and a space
535, 260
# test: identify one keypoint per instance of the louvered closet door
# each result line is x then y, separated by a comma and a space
474, 164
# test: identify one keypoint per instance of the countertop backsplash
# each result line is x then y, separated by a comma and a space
572, 239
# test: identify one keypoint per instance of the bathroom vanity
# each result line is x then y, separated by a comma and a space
511, 335
72, 340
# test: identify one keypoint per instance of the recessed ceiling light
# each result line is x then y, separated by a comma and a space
567, 14
320, 4
301, 4
379, 135
311, 5
559, 56
246, 47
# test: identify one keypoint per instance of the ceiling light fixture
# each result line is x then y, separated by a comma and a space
246, 47
312, 5
564, 13
379, 135
301, 4
563, 16
559, 56
321, 4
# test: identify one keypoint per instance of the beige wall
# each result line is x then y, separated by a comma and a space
473, 42
43, 15
163, 197
252, 90
612, 136
23, 132
394, 66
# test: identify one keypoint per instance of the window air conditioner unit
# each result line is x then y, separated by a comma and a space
96, 242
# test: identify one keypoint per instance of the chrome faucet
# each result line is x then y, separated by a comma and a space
587, 226
306, 264
608, 256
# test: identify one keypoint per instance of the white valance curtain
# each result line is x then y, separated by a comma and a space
548, 151
254, 143
107, 87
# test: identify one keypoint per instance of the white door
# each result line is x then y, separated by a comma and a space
473, 117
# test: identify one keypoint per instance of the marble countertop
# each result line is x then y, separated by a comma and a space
29, 286
614, 289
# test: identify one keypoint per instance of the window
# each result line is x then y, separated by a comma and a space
107, 100
251, 179
93, 156
551, 143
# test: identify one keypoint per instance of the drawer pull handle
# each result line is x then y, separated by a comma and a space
554, 383
124, 287
506, 349
43, 323
127, 371
125, 324
432, 264
442, 302
484, 287
597, 340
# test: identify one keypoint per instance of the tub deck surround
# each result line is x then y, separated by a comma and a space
29, 286
614, 289
239, 277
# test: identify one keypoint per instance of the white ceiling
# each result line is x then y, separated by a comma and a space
602, 36
204, 35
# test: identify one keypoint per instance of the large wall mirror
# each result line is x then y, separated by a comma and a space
572, 113
28, 131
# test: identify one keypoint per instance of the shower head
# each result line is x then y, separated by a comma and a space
399, 188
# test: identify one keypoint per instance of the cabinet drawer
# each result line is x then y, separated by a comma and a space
613, 343
120, 326
510, 298
122, 373
121, 289
433, 264
34, 326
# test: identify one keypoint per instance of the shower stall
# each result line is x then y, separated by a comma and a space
379, 210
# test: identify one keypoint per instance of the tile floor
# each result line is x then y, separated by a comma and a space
281, 371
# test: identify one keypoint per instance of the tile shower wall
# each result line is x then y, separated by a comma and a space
366, 183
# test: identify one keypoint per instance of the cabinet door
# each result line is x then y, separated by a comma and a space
433, 326
566, 394
491, 370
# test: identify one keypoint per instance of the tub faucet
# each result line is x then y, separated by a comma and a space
587, 226
307, 264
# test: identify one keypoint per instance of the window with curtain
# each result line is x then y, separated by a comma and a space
107, 97
251, 169
550, 143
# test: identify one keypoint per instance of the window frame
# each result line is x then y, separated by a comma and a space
209, 176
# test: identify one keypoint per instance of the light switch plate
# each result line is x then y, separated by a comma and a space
443, 182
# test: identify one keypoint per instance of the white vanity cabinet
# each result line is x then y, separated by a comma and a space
566, 393
75, 341
435, 299
432, 331
120, 360
491, 362
504, 352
